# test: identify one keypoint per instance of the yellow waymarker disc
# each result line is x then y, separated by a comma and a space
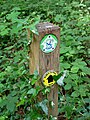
48, 79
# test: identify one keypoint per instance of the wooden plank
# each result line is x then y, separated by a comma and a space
50, 61
33, 53
44, 62
53, 97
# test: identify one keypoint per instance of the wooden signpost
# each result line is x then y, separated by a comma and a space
44, 57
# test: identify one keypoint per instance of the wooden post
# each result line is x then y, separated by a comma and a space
44, 61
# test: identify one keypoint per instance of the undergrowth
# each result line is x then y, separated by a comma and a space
18, 96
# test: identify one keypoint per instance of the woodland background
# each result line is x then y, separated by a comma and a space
18, 97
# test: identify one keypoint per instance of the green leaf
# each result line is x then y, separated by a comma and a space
15, 29
2, 103
34, 30
56, 77
13, 93
35, 73
9, 48
21, 102
83, 90
1, 85
5, 32
84, 38
45, 91
58, 18
67, 86
44, 107
8, 69
74, 76
32, 91
68, 109
74, 69
11, 103
87, 100
33, 81
65, 65
86, 70
34, 78
13, 16
2, 27
79, 63
33, 26
10, 106
64, 49
75, 94
3, 117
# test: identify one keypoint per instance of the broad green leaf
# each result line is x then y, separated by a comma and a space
44, 107
4, 32
8, 69
3, 117
79, 63
2, 103
74, 76
45, 91
13, 16
36, 73
58, 18
1, 85
33, 81
35, 77
34, 30
65, 65
67, 86
84, 38
10, 106
74, 69
21, 102
64, 49
9, 48
2, 27
23, 72
13, 93
83, 90
32, 91
69, 111
15, 29
56, 77
33, 26
75, 94
86, 70
16, 8
87, 100
11, 103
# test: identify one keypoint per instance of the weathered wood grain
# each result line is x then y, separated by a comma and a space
46, 61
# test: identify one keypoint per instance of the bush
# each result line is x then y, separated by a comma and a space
18, 97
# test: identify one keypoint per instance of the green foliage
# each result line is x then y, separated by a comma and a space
18, 96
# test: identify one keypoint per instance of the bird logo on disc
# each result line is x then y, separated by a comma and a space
48, 43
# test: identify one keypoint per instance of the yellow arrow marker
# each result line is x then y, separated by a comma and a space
48, 79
